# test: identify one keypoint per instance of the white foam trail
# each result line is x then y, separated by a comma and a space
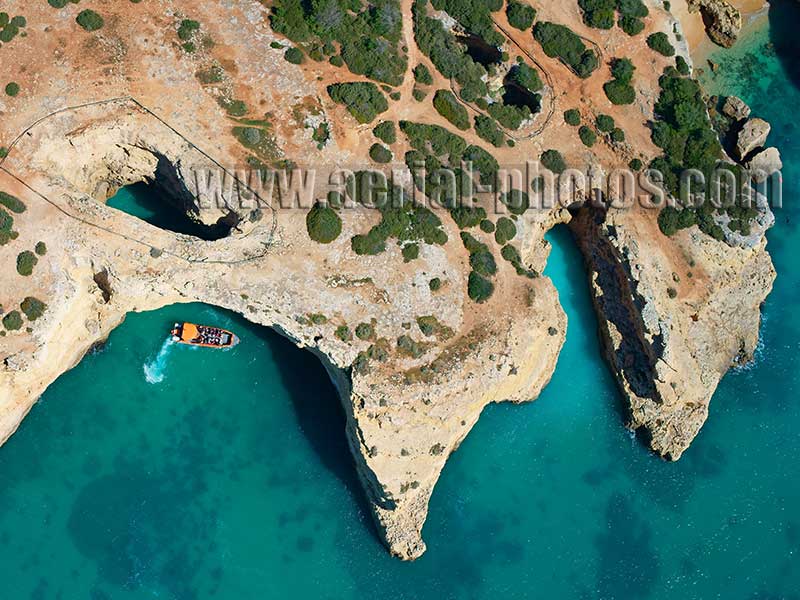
154, 369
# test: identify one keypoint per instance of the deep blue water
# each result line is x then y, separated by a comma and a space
226, 475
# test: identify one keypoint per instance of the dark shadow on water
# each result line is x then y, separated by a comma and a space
318, 409
784, 20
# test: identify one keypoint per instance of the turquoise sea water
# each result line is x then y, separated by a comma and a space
156, 471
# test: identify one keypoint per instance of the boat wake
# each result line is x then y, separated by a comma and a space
154, 369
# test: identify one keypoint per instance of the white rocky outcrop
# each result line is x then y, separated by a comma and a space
765, 163
752, 136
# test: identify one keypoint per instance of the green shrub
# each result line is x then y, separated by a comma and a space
380, 153
12, 89
479, 288
323, 224
605, 123
505, 231
363, 100
337, 61
588, 137
516, 201
487, 226
474, 16
622, 69
558, 41
619, 92
410, 252
617, 135
552, 160
12, 203
40, 249
343, 333
527, 77
631, 25
681, 65
510, 117
660, 43
435, 284
61, 3
187, 29
294, 56
25, 262
386, 132
33, 308
89, 20
572, 117
367, 34
365, 331
446, 104
635, 164
487, 129
422, 75
12, 321
466, 216
520, 15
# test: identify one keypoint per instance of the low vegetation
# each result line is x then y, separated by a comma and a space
323, 224
602, 14
474, 16
368, 35
588, 137
422, 75
12, 89
660, 43
12, 321
447, 105
26, 261
33, 308
10, 27
487, 129
89, 20
386, 132
619, 90
520, 15
554, 161
380, 153
572, 117
479, 286
363, 100
560, 42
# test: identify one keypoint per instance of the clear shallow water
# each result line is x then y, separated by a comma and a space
230, 478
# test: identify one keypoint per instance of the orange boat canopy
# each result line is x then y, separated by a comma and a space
189, 332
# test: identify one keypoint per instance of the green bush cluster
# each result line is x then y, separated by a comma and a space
448, 55
61, 3
619, 90
505, 231
401, 218
26, 261
509, 116
187, 29
422, 75
12, 89
323, 224
660, 43
447, 105
516, 201
89, 20
588, 137
682, 66
527, 77
12, 203
605, 123
474, 16
552, 160
365, 331
380, 153
560, 42
363, 99
15, 205
386, 132
40, 248
12, 321
572, 117
520, 15
602, 14
294, 56
479, 286
368, 34
10, 27
33, 308
685, 134
435, 284
487, 129
466, 216
343, 333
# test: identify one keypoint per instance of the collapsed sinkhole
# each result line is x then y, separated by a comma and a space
164, 201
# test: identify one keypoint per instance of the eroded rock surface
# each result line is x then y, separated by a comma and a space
723, 20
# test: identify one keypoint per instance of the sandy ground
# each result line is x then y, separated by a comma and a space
699, 43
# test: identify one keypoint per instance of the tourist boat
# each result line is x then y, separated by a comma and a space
203, 335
